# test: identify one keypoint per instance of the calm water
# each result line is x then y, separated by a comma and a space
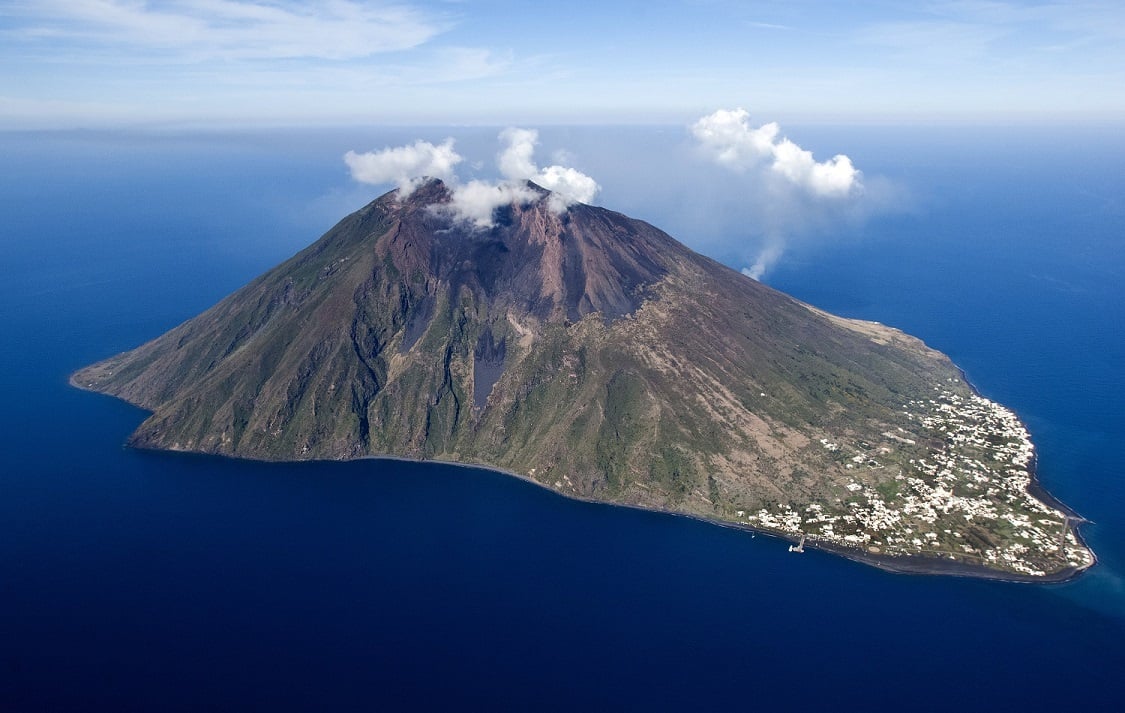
146, 581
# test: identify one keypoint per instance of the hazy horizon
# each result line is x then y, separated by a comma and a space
99, 63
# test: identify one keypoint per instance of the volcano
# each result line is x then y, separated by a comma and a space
595, 355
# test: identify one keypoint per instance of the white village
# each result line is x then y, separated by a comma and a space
949, 503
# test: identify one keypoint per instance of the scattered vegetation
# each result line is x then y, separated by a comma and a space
633, 371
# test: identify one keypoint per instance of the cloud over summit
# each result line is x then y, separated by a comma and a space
758, 191
404, 166
567, 185
474, 201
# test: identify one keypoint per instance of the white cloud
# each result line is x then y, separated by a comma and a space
834, 177
195, 30
801, 193
567, 185
405, 166
516, 162
730, 140
728, 136
477, 201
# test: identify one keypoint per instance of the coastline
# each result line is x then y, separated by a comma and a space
908, 564
1036, 489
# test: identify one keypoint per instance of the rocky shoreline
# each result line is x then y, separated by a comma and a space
909, 564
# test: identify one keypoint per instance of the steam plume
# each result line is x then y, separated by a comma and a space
404, 166
567, 185
799, 186
732, 142
476, 200
766, 259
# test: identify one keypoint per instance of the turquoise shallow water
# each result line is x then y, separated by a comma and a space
141, 581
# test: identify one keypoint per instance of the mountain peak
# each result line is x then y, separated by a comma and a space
427, 191
592, 353
533, 258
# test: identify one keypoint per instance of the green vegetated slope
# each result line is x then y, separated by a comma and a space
585, 350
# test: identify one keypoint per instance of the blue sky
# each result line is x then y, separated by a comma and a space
72, 63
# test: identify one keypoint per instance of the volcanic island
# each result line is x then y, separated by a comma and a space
596, 356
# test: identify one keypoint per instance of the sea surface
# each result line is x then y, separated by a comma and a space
140, 581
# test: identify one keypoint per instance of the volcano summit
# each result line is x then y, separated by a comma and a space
597, 356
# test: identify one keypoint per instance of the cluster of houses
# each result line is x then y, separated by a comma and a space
967, 499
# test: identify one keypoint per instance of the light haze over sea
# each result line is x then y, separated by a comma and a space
141, 581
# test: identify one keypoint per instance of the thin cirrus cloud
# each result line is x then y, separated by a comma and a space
475, 201
200, 30
441, 61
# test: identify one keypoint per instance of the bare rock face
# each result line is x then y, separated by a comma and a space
596, 355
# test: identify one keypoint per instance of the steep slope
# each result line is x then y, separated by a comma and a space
596, 355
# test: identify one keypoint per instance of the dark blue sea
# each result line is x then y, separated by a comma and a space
138, 581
